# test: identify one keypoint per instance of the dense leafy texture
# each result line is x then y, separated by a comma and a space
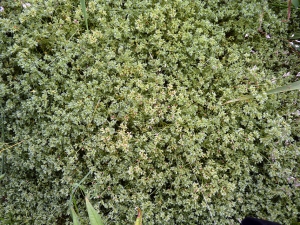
138, 100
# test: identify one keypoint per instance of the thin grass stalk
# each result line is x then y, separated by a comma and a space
4, 149
72, 200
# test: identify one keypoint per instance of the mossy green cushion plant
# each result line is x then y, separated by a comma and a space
138, 100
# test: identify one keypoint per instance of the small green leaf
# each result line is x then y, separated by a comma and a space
2, 176
95, 218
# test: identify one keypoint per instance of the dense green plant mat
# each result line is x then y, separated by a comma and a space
133, 92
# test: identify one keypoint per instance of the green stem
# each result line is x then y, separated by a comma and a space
2, 140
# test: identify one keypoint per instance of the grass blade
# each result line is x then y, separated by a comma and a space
289, 87
74, 217
2, 140
72, 201
76, 185
242, 98
139, 217
95, 218
83, 9
295, 3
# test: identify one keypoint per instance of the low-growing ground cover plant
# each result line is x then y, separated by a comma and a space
134, 95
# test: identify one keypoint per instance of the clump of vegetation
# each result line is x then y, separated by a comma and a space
133, 93
94, 217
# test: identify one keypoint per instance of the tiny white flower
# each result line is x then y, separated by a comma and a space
254, 68
286, 74
1, 9
297, 113
298, 74
26, 5
247, 35
268, 36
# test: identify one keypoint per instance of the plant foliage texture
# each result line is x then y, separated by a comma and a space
138, 100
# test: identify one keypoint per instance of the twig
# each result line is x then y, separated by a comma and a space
289, 11
2, 150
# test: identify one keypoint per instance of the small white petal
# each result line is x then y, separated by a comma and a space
26, 5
